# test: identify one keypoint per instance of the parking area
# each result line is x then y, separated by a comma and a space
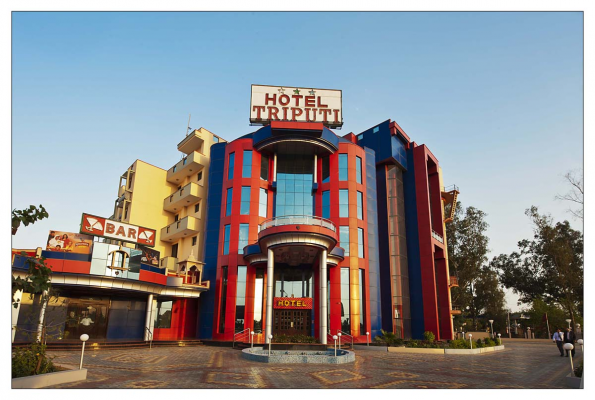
521, 365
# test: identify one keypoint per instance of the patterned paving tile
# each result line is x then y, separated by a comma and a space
337, 376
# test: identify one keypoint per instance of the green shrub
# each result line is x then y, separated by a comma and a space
478, 344
578, 371
489, 342
413, 343
26, 360
429, 336
389, 338
294, 339
459, 344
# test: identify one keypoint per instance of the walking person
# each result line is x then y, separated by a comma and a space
569, 337
559, 340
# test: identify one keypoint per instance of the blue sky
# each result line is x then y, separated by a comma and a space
497, 97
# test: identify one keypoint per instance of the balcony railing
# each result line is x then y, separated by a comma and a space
437, 236
186, 196
454, 281
298, 220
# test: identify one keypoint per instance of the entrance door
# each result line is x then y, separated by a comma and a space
86, 316
292, 322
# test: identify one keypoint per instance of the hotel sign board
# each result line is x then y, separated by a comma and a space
108, 228
292, 303
284, 103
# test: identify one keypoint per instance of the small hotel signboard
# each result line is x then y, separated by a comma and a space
292, 303
111, 229
280, 103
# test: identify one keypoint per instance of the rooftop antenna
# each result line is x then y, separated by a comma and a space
188, 126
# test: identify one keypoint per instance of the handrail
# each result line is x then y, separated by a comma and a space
346, 334
150, 333
298, 220
238, 334
437, 236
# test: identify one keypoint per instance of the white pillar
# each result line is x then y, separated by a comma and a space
274, 171
44, 303
323, 297
18, 296
270, 281
149, 319
315, 166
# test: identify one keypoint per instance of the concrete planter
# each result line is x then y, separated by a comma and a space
573, 382
415, 350
473, 351
54, 378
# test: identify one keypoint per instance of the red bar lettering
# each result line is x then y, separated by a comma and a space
121, 231
273, 111
294, 112
132, 233
258, 110
297, 98
284, 99
109, 228
267, 99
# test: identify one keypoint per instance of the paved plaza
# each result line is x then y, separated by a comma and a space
521, 365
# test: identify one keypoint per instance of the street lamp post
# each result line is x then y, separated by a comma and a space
335, 339
339, 334
492, 327
470, 341
84, 337
368, 338
251, 339
270, 342
568, 347
499, 339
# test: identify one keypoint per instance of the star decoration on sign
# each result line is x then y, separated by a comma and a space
281, 91
312, 92
296, 91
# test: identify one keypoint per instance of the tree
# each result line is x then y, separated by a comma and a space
549, 267
467, 254
27, 216
575, 194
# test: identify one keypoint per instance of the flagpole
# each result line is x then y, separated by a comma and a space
548, 326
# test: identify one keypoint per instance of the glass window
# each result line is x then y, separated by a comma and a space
360, 242
199, 176
358, 169
215, 139
343, 203
247, 164
343, 174
230, 166
295, 174
326, 204
344, 238
360, 205
174, 250
240, 298
163, 314
376, 129
197, 208
228, 201
345, 311
326, 170
226, 240
245, 198
223, 299
243, 241
194, 240
263, 200
362, 309
264, 168
258, 299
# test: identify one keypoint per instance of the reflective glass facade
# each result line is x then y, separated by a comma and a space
240, 298
245, 200
295, 174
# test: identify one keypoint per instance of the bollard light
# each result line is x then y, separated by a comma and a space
491, 321
568, 347
470, 341
339, 334
569, 321
368, 338
252, 339
499, 339
84, 337
270, 342
580, 341
335, 339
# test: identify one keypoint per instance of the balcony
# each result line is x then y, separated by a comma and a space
186, 196
455, 310
169, 263
189, 165
188, 226
192, 142
437, 236
298, 220
454, 281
